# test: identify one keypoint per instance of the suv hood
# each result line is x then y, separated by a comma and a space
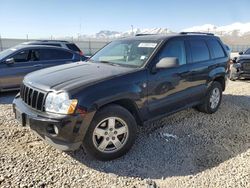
242, 57
71, 76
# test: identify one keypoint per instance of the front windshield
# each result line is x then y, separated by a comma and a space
7, 52
133, 53
248, 51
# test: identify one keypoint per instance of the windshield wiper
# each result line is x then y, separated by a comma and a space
108, 62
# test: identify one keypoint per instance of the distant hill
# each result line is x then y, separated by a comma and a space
233, 34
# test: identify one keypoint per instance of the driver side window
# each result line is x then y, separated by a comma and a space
21, 56
174, 48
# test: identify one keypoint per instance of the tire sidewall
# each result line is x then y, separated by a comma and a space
212, 87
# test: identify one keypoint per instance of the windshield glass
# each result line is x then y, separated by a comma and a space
248, 51
7, 52
133, 53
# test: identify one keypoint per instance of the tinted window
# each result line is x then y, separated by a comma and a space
34, 55
21, 56
199, 50
174, 49
216, 48
73, 47
54, 54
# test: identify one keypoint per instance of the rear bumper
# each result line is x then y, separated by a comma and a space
62, 132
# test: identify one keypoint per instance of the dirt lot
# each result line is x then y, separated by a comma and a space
187, 149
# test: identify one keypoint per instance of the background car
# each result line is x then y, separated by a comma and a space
59, 43
240, 68
20, 60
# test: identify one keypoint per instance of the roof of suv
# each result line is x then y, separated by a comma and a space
48, 41
156, 37
23, 46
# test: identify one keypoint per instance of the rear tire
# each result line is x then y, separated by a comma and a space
212, 100
111, 134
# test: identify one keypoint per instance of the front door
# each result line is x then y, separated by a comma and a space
167, 87
11, 75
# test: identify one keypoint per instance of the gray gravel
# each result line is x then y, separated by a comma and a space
187, 149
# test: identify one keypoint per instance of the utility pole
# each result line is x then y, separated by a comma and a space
132, 27
27, 37
1, 44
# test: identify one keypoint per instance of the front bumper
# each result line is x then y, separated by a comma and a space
244, 74
64, 132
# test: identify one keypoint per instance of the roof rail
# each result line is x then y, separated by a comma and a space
198, 33
51, 40
143, 34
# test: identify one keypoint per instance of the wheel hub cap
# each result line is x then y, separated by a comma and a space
214, 98
110, 135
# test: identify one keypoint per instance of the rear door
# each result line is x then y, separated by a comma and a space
47, 57
199, 68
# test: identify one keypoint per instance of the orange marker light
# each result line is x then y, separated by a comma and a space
72, 106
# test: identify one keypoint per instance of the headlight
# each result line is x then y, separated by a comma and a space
60, 103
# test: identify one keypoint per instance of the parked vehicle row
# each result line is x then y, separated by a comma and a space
20, 60
57, 43
101, 102
240, 69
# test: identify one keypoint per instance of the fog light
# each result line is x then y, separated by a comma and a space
52, 129
56, 129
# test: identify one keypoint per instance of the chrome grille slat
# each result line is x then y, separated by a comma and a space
32, 97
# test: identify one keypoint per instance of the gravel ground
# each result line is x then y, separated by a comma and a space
187, 149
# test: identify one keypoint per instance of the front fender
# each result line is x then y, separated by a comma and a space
130, 87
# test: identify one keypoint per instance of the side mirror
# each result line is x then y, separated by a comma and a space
9, 61
240, 53
167, 62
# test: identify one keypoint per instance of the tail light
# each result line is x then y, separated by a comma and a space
81, 53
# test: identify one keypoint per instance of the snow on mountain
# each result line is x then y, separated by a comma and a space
235, 29
232, 30
115, 34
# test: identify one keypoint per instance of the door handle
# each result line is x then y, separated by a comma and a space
38, 65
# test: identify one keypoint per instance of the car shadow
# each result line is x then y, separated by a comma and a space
7, 97
243, 80
200, 142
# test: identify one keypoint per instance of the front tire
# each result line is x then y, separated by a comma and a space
111, 134
212, 100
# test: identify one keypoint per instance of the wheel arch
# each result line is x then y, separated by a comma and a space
129, 105
222, 81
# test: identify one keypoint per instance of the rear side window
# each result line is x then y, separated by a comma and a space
176, 49
216, 48
73, 47
199, 50
54, 54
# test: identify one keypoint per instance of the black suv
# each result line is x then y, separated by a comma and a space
130, 81
240, 68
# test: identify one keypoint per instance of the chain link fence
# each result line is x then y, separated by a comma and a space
90, 45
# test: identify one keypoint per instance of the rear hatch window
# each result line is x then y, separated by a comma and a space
73, 47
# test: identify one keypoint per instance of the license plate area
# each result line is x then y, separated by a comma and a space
21, 117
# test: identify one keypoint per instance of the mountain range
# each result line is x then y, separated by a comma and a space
236, 30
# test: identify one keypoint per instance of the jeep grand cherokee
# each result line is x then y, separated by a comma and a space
130, 81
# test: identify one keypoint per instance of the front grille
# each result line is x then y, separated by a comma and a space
246, 66
33, 97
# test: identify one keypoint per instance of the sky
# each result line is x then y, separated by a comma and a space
61, 18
